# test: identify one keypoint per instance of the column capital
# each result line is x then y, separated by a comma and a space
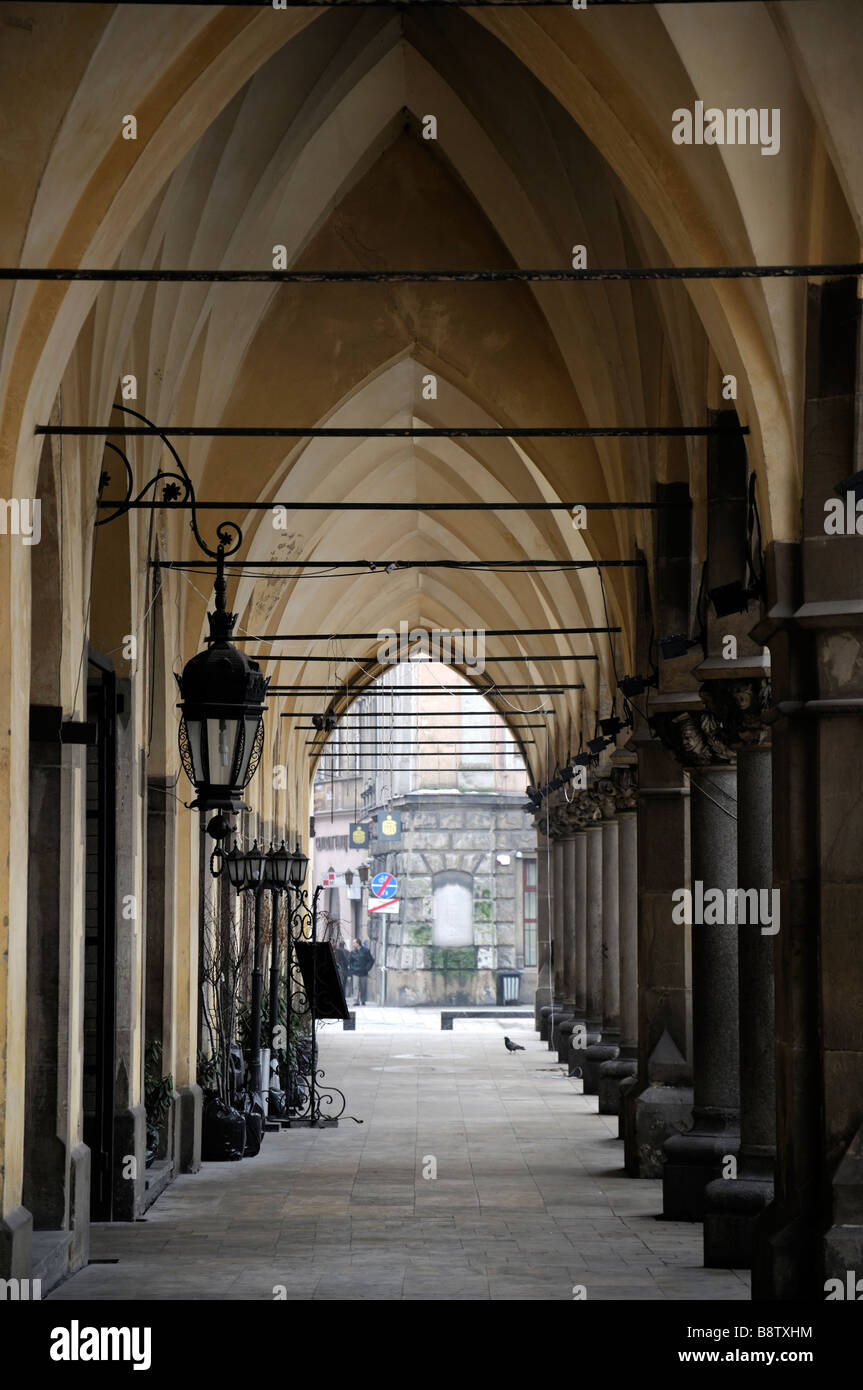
741, 709
694, 736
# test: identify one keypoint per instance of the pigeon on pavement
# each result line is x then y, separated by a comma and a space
513, 1047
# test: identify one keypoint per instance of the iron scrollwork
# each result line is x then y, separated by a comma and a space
308, 1099
177, 490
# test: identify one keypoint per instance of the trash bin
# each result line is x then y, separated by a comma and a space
508, 985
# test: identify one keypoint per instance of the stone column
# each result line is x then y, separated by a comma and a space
613, 1074
569, 896
694, 1159
659, 1103
732, 1206
580, 856
592, 1030
578, 850
543, 925
813, 1230
558, 936
606, 1049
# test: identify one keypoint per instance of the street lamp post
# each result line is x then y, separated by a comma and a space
280, 864
221, 734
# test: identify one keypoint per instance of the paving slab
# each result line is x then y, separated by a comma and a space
529, 1197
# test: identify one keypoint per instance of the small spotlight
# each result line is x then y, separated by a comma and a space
556, 783
566, 774
730, 598
598, 745
676, 645
318, 721
635, 685
612, 727
583, 760
853, 483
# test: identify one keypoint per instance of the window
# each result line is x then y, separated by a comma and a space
452, 898
528, 883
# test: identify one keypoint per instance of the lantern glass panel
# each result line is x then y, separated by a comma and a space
299, 864
194, 731
281, 866
250, 731
221, 751
255, 864
235, 863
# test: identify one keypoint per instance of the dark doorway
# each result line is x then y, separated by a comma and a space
100, 936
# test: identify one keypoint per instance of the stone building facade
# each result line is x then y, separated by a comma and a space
461, 863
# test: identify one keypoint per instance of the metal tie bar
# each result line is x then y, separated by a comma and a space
548, 275
376, 636
399, 431
195, 566
499, 660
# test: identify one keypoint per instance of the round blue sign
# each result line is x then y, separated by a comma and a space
384, 886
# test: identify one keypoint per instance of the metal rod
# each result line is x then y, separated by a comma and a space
405, 691
417, 4
376, 636
256, 1004
346, 748
274, 976
390, 566
500, 660
230, 506
409, 728
547, 275
401, 431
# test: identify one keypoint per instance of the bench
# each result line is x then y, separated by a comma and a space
447, 1015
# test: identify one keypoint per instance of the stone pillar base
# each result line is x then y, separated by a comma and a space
79, 1207
544, 1016
578, 1055
564, 1038
692, 1161
541, 1000
731, 1207
612, 1075
843, 1243
561, 1013
627, 1084
16, 1235
596, 1056
783, 1264
130, 1162
651, 1117
187, 1130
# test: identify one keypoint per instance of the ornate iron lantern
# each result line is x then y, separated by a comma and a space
299, 864
222, 728
280, 868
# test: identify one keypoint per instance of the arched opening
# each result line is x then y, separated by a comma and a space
420, 789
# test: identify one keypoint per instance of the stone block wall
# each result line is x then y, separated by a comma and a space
463, 832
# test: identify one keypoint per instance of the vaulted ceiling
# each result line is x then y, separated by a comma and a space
304, 128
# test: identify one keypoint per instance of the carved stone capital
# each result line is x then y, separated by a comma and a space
604, 793
740, 708
584, 810
625, 780
693, 736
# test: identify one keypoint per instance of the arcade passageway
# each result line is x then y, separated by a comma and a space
325, 324
530, 1197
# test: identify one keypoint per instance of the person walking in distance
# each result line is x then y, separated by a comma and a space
362, 961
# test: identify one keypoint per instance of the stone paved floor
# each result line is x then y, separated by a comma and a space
529, 1200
